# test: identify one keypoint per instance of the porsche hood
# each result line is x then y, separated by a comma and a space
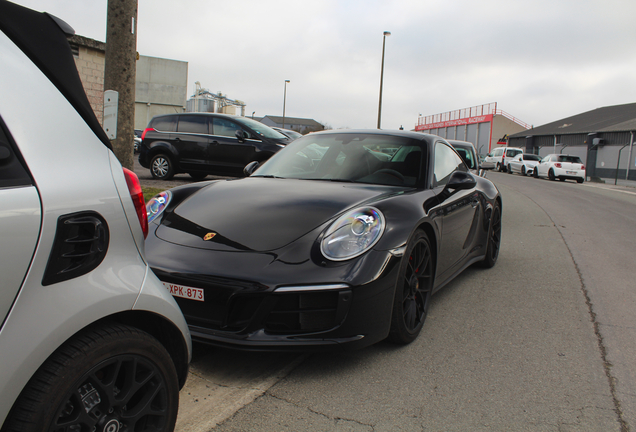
261, 214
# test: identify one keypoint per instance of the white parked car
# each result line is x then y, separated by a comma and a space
523, 164
467, 152
90, 339
562, 167
498, 159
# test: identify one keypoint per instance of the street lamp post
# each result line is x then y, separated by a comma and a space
386, 33
284, 101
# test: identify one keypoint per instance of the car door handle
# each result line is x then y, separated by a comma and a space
177, 139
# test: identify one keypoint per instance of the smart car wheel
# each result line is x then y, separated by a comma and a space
509, 169
579, 180
494, 239
109, 378
535, 172
413, 290
551, 174
523, 170
161, 167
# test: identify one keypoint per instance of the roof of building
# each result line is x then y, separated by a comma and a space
87, 42
616, 118
293, 120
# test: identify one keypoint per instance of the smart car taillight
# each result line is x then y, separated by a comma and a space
557, 165
143, 134
582, 167
134, 187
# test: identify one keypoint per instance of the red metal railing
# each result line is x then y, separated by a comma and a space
463, 113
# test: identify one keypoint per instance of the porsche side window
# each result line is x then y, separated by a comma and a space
12, 171
446, 162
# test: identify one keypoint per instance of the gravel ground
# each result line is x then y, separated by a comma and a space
146, 180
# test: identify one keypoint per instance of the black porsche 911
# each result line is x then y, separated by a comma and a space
338, 240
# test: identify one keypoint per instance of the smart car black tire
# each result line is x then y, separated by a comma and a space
198, 176
413, 290
161, 167
109, 377
579, 180
551, 175
509, 169
523, 170
535, 173
494, 239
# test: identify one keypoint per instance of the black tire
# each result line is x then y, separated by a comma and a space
494, 239
509, 169
161, 167
535, 172
551, 175
413, 290
110, 377
523, 170
579, 180
498, 167
561, 179
198, 176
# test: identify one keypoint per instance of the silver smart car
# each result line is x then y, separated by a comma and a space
90, 339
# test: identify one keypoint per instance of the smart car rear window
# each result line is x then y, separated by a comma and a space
12, 169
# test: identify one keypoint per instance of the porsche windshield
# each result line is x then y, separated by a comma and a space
361, 158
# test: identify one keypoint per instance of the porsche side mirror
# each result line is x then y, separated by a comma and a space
461, 180
241, 136
250, 168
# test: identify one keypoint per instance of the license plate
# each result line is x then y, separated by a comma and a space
570, 172
185, 291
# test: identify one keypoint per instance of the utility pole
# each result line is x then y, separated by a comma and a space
120, 70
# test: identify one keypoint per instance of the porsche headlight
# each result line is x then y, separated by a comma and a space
353, 234
157, 205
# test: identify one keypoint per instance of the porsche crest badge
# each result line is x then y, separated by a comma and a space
209, 236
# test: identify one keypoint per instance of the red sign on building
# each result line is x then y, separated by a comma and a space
458, 122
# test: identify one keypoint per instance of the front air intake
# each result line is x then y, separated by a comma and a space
80, 245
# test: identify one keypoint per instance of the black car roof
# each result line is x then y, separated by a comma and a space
398, 133
42, 37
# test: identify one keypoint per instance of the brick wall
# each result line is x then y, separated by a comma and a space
89, 57
90, 65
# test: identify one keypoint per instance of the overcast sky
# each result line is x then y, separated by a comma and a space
540, 60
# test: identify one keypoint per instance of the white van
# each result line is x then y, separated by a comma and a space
498, 159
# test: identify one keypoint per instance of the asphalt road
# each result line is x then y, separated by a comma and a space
544, 341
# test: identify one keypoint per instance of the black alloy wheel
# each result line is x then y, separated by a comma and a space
110, 378
551, 175
494, 238
413, 290
161, 167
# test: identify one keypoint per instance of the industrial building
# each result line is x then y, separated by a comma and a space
484, 125
203, 100
301, 125
160, 84
603, 138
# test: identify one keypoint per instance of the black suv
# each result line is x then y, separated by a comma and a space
204, 143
